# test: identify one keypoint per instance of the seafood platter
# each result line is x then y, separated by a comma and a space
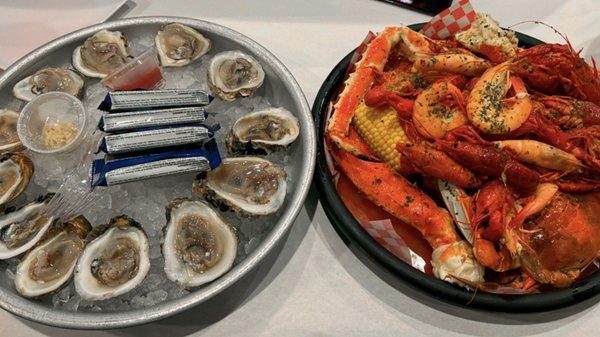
146, 165
467, 166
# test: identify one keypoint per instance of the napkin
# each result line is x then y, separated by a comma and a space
28, 24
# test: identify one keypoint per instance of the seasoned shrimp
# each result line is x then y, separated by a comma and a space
451, 62
487, 107
439, 109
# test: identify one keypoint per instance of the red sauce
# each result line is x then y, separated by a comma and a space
146, 80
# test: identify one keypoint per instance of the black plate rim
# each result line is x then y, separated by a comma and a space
351, 231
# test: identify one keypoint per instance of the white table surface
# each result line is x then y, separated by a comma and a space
315, 285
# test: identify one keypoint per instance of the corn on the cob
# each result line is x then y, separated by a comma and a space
381, 130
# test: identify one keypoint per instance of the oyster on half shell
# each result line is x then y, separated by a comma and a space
9, 139
48, 80
115, 261
179, 45
234, 73
248, 185
50, 264
101, 54
263, 131
198, 246
16, 170
22, 228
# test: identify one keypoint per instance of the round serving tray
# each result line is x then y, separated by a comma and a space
280, 86
351, 231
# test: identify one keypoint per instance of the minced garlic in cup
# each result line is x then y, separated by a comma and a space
56, 135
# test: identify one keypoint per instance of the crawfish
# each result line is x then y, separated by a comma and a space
470, 150
583, 143
568, 112
494, 205
558, 69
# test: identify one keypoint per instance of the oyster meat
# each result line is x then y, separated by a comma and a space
16, 170
264, 131
50, 264
179, 45
101, 54
21, 229
47, 80
199, 246
114, 262
234, 73
9, 139
248, 185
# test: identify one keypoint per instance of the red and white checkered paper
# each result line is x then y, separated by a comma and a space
453, 19
383, 232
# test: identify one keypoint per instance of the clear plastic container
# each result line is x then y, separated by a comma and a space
143, 72
52, 107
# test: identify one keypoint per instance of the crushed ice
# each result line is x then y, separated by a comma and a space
145, 201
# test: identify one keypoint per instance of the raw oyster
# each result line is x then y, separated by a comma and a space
47, 80
49, 265
248, 185
15, 171
179, 45
114, 262
21, 229
265, 130
234, 73
9, 139
199, 246
101, 54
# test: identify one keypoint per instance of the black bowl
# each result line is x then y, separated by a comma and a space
351, 231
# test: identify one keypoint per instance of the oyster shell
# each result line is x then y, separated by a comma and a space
101, 54
22, 228
114, 262
264, 131
199, 246
179, 45
15, 171
234, 73
248, 185
50, 264
9, 139
47, 80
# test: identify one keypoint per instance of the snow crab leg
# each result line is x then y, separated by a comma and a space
409, 43
356, 86
452, 258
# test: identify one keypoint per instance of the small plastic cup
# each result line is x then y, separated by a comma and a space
143, 72
52, 107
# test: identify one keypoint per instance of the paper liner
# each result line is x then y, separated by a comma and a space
453, 19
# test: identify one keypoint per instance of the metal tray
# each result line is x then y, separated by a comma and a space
351, 231
280, 86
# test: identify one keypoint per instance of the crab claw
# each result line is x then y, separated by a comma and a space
455, 263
